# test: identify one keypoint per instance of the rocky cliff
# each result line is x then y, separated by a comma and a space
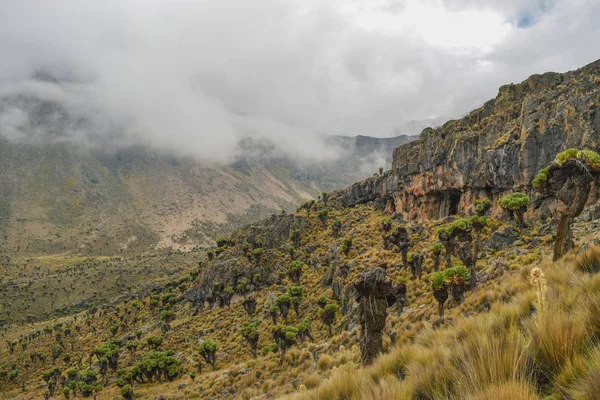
495, 149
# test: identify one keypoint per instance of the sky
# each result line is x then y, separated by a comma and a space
193, 77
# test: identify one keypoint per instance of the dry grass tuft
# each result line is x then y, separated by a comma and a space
483, 359
586, 384
510, 390
557, 337
589, 260
325, 362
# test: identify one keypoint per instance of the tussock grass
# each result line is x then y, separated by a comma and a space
512, 352
589, 260
510, 390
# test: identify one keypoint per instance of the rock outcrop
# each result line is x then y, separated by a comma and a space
495, 149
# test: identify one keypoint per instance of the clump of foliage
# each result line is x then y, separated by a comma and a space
328, 314
250, 333
386, 224
208, 350
457, 278
436, 250
346, 245
323, 214
440, 290
437, 280
273, 311
285, 337
295, 237
304, 330
154, 342
223, 241
295, 293
295, 271
322, 301
515, 204
307, 206
283, 303
482, 206
157, 366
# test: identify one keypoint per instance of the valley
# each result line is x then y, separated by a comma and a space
438, 278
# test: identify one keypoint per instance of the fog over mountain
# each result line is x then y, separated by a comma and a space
195, 78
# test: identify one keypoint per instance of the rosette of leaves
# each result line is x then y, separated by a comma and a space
322, 301
436, 250
154, 342
208, 350
273, 311
482, 206
327, 315
456, 278
399, 293
127, 392
304, 330
158, 365
257, 254
295, 237
307, 206
283, 303
386, 224
440, 290
285, 337
227, 295
250, 333
249, 305
295, 271
346, 245
223, 241
295, 293
323, 214
515, 204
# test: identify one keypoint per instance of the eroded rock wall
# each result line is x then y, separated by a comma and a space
495, 149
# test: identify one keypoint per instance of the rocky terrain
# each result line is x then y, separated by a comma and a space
437, 279
496, 148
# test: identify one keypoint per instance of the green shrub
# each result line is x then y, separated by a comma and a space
456, 275
154, 341
514, 201
437, 248
437, 280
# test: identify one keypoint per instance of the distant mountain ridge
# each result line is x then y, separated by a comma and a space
65, 198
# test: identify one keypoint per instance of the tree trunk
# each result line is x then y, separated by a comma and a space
574, 194
564, 237
436, 262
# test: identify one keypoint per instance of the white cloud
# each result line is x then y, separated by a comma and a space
193, 77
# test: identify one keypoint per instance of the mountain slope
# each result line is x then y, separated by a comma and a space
61, 197
494, 149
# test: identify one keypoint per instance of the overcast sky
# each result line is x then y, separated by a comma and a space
193, 76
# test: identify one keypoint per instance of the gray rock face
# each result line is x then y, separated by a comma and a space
502, 239
273, 232
233, 266
495, 149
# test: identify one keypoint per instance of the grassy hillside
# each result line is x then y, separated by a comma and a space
498, 343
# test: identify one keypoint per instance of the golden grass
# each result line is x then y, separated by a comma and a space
589, 260
511, 352
510, 390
